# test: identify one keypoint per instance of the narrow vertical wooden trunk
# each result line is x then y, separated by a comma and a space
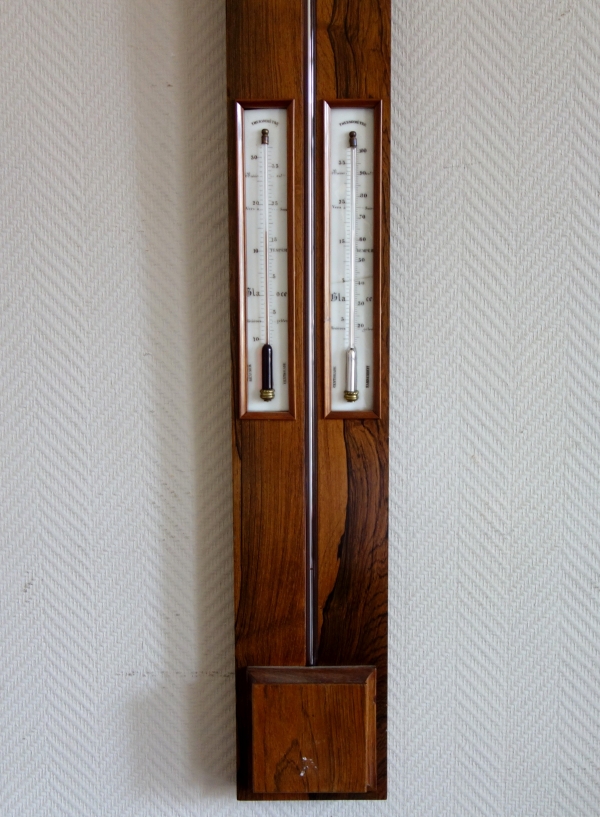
353, 62
266, 61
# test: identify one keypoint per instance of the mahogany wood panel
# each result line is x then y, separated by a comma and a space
313, 729
332, 452
265, 62
353, 62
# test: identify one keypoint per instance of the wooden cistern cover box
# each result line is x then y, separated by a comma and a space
313, 729
308, 85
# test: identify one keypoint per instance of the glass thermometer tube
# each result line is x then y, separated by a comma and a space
267, 391
351, 392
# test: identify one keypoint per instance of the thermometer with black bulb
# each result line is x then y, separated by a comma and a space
267, 391
263, 158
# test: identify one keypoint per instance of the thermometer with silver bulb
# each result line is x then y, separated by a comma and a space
352, 269
266, 265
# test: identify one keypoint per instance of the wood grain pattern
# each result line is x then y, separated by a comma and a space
313, 729
332, 452
353, 62
264, 62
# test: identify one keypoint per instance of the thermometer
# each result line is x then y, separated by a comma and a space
267, 391
266, 269
352, 184
351, 391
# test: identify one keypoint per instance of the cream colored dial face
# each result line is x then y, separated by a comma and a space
351, 257
266, 250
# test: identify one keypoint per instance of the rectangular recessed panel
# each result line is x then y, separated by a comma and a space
313, 729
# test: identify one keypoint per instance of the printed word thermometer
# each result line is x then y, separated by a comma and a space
266, 280
353, 261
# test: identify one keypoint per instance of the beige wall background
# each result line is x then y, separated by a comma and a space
116, 615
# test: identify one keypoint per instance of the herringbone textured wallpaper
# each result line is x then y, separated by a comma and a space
116, 628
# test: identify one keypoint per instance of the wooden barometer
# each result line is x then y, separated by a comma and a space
308, 85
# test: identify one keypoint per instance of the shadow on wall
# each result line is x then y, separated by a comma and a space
182, 730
